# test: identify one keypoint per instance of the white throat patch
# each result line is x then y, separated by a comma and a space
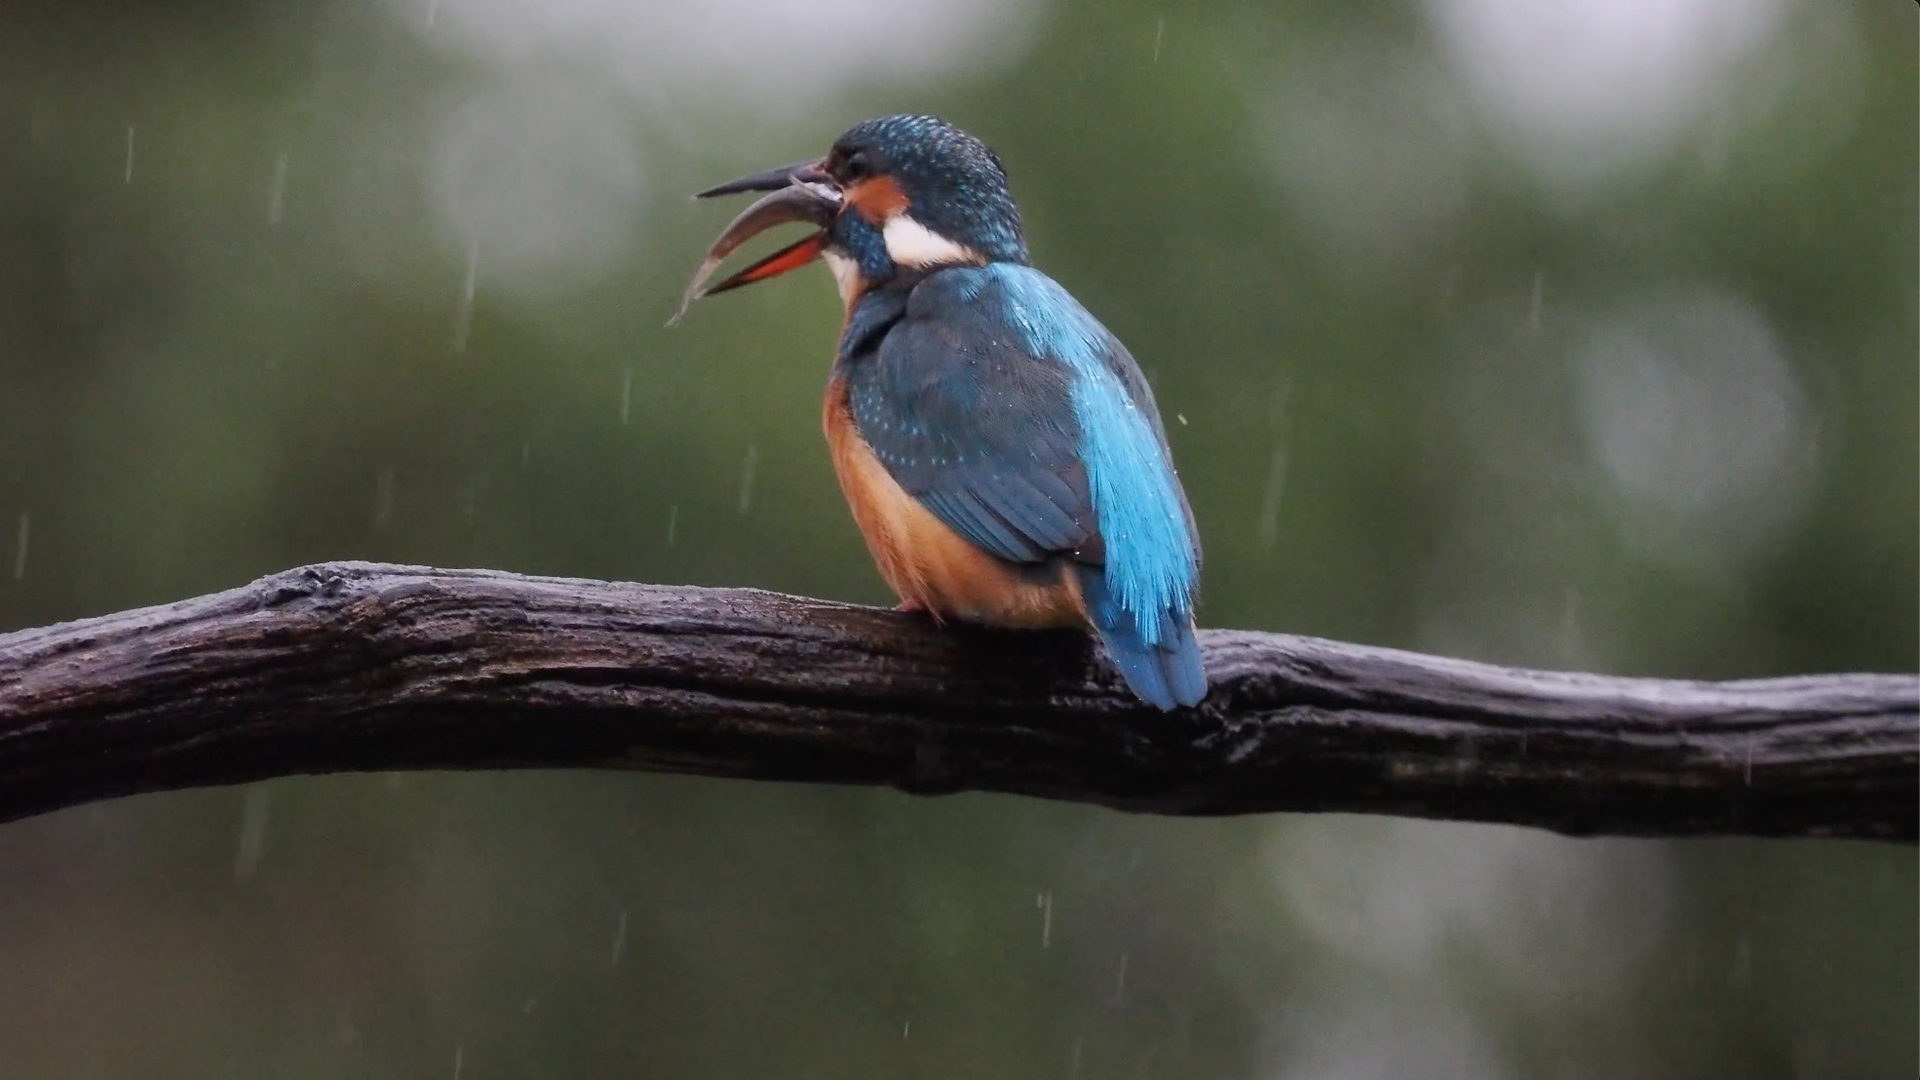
910, 243
846, 274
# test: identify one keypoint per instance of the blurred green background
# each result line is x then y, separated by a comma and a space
1576, 334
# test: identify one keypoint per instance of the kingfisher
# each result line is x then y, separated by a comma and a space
1001, 451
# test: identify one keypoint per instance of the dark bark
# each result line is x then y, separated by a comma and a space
354, 666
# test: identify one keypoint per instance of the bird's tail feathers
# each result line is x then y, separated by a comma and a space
1165, 674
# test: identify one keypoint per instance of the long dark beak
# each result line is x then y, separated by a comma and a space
802, 192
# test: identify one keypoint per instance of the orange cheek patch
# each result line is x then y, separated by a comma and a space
877, 199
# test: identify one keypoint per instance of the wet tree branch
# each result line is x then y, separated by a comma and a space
354, 666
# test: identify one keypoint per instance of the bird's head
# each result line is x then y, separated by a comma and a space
897, 193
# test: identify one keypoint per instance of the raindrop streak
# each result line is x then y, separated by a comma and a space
626, 396
253, 833
619, 939
20, 545
1045, 903
1533, 309
464, 322
1073, 1065
1269, 520
1120, 981
1159, 33
1270, 498
433, 8
129, 175
1570, 625
673, 522
276, 195
748, 468
1182, 417
906, 1029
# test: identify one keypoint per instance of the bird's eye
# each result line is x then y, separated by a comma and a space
857, 166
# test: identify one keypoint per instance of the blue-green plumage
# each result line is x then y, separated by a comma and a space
988, 395
1006, 409
957, 184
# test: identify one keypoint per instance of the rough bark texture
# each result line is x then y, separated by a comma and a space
356, 666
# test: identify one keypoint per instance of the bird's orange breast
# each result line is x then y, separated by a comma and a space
926, 563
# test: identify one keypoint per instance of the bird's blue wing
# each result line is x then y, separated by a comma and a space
983, 437
1012, 415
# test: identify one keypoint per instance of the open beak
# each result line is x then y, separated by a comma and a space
802, 192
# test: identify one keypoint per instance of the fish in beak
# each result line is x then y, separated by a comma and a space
802, 192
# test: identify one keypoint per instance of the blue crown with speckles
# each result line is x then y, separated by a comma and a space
954, 183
